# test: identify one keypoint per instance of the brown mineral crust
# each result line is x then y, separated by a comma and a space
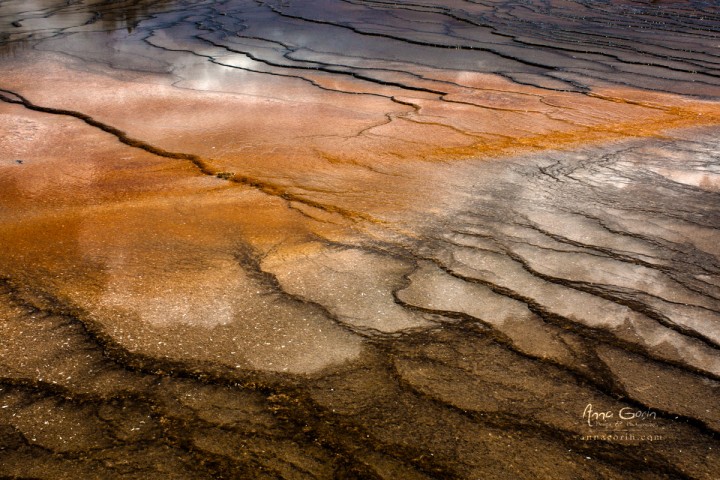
221, 259
238, 131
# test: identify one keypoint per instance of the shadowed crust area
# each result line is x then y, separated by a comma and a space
359, 239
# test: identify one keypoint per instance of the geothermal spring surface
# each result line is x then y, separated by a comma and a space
360, 239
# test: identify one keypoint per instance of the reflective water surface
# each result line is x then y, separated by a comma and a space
359, 239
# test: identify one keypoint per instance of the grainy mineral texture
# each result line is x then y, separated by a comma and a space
360, 239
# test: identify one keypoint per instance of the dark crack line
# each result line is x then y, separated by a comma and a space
599, 290
202, 165
510, 422
409, 41
334, 69
563, 322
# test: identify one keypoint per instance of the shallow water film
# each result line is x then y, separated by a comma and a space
371, 239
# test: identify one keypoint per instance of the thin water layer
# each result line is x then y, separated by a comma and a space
359, 239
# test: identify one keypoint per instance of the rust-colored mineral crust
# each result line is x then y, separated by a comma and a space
359, 239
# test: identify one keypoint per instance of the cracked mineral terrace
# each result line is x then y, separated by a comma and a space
334, 239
